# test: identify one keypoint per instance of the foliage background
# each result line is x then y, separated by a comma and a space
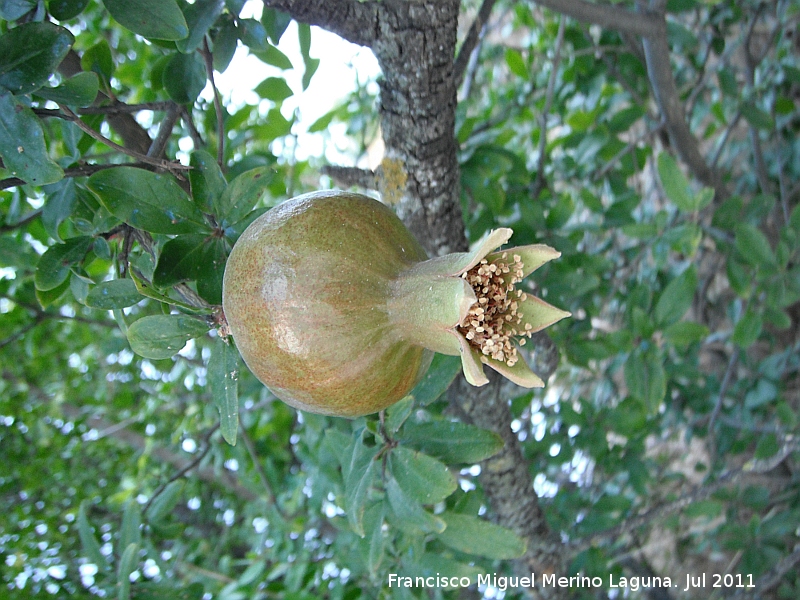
666, 440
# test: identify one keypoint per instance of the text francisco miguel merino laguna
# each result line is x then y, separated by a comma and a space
553, 581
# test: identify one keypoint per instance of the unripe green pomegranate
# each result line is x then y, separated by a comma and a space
336, 308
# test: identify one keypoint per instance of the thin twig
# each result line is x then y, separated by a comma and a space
160, 163
31, 216
351, 176
188, 120
186, 468
164, 132
606, 15
209, 62
121, 107
471, 41
723, 389
79, 171
262, 474
548, 102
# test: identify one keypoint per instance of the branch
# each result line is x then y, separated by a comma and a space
548, 102
471, 41
351, 176
159, 144
209, 62
121, 107
79, 171
355, 21
659, 70
160, 163
605, 15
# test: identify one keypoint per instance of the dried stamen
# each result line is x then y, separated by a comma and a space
491, 326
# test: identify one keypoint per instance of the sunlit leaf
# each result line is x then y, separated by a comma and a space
163, 336
117, 293
146, 200
223, 377
156, 19
475, 536
422, 477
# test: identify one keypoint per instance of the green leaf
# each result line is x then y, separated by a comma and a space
184, 77
675, 184
311, 64
79, 90
767, 446
676, 298
451, 441
206, 180
223, 378
163, 504
272, 56
516, 63
421, 477
373, 520
747, 329
275, 89
434, 564
209, 280
55, 264
199, 16
472, 535
440, 375
130, 530
146, 289
48, 297
274, 126
322, 123
30, 53
397, 414
114, 294
154, 19
753, 245
225, 41
703, 198
727, 82
181, 259
645, 376
98, 59
60, 198
63, 10
127, 565
162, 336
91, 547
253, 34
704, 508
275, 22
358, 473
410, 512
757, 117
144, 200
243, 193
11, 10
22, 145
684, 333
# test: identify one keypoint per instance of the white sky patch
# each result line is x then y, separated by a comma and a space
342, 66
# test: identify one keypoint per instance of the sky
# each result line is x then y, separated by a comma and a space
341, 64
